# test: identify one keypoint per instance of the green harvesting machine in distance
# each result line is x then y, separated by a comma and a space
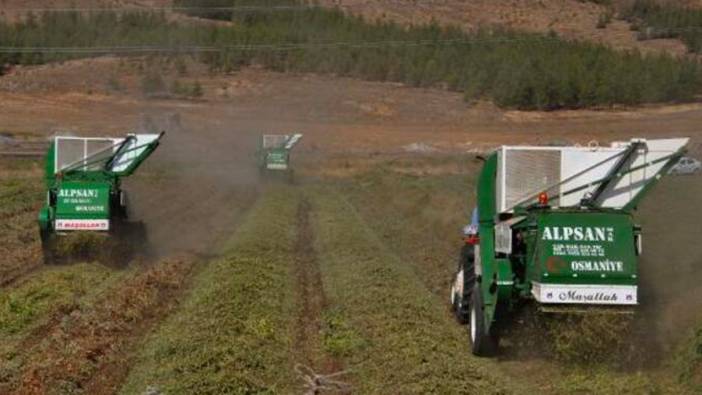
83, 181
554, 226
274, 153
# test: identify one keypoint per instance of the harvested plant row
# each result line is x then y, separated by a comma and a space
20, 249
233, 333
87, 352
29, 311
392, 334
418, 218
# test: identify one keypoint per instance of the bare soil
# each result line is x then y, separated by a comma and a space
312, 302
15, 9
310, 290
336, 114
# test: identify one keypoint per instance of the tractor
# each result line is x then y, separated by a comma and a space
554, 228
84, 195
274, 154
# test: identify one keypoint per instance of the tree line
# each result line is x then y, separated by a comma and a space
666, 20
514, 69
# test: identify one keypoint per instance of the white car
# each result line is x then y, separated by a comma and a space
686, 165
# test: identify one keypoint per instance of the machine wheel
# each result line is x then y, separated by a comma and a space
48, 247
461, 293
483, 343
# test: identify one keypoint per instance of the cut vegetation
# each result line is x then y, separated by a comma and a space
29, 311
232, 333
88, 351
386, 326
20, 197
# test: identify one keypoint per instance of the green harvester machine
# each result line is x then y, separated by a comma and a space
554, 226
274, 153
83, 179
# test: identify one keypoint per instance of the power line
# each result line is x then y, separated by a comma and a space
267, 47
159, 9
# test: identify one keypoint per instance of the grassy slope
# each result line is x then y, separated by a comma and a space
231, 334
393, 335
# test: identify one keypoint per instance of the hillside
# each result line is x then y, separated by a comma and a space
573, 19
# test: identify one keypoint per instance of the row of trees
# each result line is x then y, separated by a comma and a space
666, 20
516, 70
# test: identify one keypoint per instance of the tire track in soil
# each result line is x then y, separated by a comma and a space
312, 300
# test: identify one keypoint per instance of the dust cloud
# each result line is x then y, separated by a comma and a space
671, 265
193, 188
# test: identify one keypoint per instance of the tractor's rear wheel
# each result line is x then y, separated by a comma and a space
463, 283
483, 343
48, 247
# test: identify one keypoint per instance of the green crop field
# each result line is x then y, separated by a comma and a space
344, 277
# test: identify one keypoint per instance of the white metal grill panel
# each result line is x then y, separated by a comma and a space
72, 151
523, 172
528, 172
274, 140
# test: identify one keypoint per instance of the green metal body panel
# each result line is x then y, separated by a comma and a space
49, 170
582, 246
274, 152
277, 159
487, 279
87, 191
45, 215
83, 200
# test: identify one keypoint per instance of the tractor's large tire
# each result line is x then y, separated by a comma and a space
48, 247
483, 343
460, 296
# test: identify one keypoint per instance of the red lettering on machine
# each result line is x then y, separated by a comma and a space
83, 224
